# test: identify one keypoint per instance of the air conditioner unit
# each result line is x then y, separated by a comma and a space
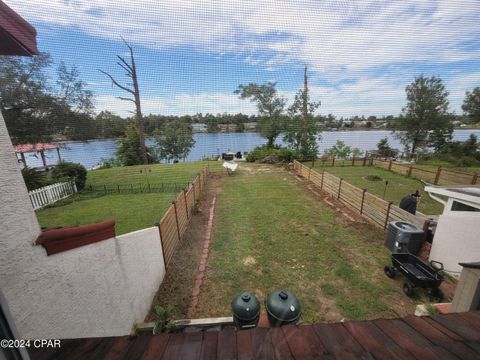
404, 237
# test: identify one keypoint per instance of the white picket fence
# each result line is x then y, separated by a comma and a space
52, 193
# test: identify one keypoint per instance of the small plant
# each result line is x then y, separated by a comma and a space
431, 309
164, 324
34, 179
373, 178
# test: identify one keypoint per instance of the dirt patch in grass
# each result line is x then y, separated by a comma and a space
176, 288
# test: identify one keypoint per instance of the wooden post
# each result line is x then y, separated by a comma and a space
437, 176
176, 218
22, 155
321, 183
390, 165
409, 171
474, 178
333, 160
118, 188
363, 200
364, 160
105, 188
186, 205
339, 188
59, 157
353, 160
163, 245
388, 215
44, 161
309, 172
194, 195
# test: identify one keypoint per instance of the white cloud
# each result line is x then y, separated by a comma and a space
348, 40
178, 104
328, 35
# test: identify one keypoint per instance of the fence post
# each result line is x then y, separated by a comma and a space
364, 160
186, 205
194, 195
363, 200
118, 188
409, 172
390, 165
388, 215
339, 188
161, 242
105, 188
333, 160
321, 183
309, 172
353, 160
437, 176
474, 178
176, 218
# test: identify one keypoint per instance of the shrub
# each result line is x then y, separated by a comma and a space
283, 154
34, 179
66, 171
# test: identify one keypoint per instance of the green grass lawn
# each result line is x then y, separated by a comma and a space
131, 211
398, 185
180, 173
271, 232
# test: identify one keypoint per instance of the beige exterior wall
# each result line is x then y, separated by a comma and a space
101, 289
457, 239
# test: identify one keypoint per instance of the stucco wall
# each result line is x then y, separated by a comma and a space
457, 239
100, 289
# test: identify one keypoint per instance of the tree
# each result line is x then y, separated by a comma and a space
270, 108
384, 149
339, 150
34, 110
128, 151
110, 125
426, 111
174, 141
471, 104
302, 130
131, 73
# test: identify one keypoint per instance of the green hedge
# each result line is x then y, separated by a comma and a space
261, 152
67, 171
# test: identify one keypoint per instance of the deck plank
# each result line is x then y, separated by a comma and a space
304, 342
338, 341
209, 345
245, 345
457, 324
174, 346
440, 339
262, 344
156, 347
375, 341
119, 348
280, 344
411, 340
227, 342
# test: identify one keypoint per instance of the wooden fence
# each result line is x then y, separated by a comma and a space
379, 211
50, 194
175, 221
440, 176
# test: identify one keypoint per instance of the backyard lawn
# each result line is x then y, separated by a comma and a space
271, 232
398, 185
132, 211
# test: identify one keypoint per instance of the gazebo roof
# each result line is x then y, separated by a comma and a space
26, 148
17, 36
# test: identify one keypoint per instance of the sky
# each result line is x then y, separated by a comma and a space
191, 55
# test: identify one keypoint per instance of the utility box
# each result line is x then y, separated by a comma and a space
404, 237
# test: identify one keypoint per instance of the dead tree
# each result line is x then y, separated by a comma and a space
131, 72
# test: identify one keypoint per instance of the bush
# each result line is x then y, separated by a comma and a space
34, 179
283, 154
66, 171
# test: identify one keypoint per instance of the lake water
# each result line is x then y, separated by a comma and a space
91, 153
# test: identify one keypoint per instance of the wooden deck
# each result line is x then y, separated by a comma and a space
453, 336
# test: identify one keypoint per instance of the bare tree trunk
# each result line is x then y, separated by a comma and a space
131, 70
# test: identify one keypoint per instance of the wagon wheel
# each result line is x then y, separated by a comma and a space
389, 271
436, 293
408, 289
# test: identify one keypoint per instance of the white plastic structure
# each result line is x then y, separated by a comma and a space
231, 167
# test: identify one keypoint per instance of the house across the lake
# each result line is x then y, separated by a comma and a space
199, 127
